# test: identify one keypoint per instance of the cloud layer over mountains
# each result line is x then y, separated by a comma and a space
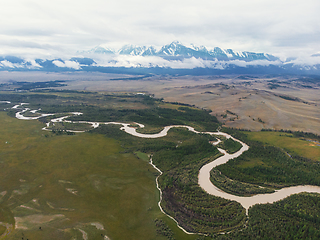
52, 29
173, 58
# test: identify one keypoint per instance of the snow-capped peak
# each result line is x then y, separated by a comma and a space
177, 49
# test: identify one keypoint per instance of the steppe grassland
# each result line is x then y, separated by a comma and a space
207, 92
250, 102
250, 99
286, 141
65, 183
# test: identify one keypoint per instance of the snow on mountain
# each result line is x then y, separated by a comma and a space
99, 50
150, 51
132, 50
12, 62
177, 49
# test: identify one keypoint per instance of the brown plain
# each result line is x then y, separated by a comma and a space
248, 102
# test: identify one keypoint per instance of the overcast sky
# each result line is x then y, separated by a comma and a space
52, 28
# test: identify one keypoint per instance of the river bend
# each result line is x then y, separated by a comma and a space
204, 173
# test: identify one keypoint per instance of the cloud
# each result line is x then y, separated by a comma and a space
186, 63
33, 64
8, 64
306, 61
288, 27
29, 64
264, 63
67, 64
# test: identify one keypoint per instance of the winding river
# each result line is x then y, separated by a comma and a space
204, 173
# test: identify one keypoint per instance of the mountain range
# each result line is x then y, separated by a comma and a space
176, 50
173, 58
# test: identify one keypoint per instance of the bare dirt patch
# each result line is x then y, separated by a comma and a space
35, 220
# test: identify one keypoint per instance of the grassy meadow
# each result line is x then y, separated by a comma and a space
73, 185
90, 185
300, 146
